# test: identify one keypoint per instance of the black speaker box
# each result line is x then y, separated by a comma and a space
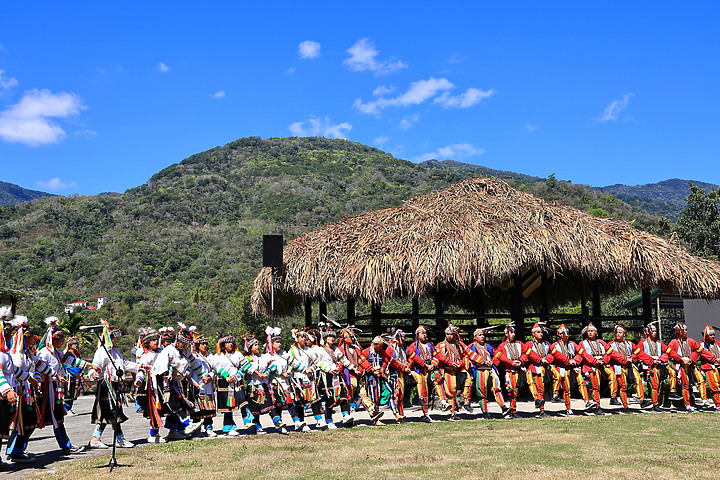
272, 250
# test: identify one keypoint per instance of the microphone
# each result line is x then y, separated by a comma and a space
91, 327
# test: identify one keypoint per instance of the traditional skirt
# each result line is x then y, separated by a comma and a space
7, 415
332, 388
284, 394
230, 397
108, 404
204, 403
261, 398
51, 404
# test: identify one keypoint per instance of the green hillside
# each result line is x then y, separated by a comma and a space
186, 245
666, 198
11, 193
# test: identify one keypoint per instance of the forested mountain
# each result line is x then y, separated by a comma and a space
11, 193
186, 245
666, 198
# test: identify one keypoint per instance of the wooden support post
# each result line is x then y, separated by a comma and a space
375, 321
350, 311
647, 306
415, 311
583, 304
517, 312
322, 312
479, 309
545, 305
596, 300
440, 324
308, 313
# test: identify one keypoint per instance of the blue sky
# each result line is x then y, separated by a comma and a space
99, 96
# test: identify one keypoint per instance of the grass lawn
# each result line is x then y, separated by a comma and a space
618, 446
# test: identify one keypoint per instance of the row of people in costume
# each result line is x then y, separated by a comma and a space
620, 361
33, 384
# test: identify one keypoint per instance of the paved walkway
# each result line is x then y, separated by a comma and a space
48, 456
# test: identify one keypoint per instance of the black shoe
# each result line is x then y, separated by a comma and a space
600, 411
556, 399
539, 403
646, 403
486, 416
615, 401
674, 397
21, 458
507, 411
658, 409
542, 415
72, 449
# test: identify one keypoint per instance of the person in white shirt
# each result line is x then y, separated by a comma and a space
202, 394
170, 369
147, 394
110, 395
53, 410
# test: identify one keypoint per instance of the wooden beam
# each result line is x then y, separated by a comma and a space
308, 313
415, 312
647, 306
440, 323
322, 312
375, 320
516, 308
350, 310
596, 300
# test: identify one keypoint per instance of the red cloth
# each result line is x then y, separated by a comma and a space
645, 357
535, 358
502, 355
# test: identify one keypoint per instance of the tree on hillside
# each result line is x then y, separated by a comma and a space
699, 223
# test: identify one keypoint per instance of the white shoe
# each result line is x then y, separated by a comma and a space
300, 425
322, 424
331, 426
156, 439
305, 429
233, 433
97, 444
348, 419
260, 431
283, 431
445, 406
124, 444
190, 429
211, 433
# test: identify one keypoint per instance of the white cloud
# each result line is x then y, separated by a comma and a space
55, 184
6, 83
28, 121
362, 58
383, 90
309, 49
409, 121
380, 141
530, 127
418, 93
613, 111
451, 152
320, 127
290, 71
218, 95
161, 67
472, 96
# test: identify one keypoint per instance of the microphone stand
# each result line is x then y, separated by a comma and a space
113, 460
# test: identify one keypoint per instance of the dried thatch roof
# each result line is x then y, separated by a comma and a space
477, 234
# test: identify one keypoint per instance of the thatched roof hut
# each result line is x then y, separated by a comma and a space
479, 235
